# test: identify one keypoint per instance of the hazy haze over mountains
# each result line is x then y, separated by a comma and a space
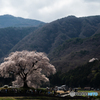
11, 21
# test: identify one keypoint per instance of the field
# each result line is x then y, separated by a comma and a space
41, 98
31, 98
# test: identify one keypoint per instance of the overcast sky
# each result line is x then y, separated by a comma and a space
49, 10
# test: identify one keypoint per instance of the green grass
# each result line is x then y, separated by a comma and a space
31, 98
7, 98
35, 98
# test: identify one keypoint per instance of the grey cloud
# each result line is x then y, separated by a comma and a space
49, 10
3, 4
92, 1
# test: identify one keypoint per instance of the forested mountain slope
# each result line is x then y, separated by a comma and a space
9, 37
76, 52
55, 33
76, 34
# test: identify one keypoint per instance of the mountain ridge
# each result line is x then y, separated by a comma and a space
63, 29
12, 21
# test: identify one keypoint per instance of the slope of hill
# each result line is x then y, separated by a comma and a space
9, 37
75, 52
11, 21
55, 33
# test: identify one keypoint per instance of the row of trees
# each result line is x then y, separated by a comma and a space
30, 68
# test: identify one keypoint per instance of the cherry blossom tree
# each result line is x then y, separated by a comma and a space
28, 67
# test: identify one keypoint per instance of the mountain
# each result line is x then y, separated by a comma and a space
11, 21
76, 34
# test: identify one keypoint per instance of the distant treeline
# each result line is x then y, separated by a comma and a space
86, 75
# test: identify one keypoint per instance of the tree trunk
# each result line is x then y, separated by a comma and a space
25, 85
25, 82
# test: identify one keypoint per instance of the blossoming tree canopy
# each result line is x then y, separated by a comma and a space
29, 68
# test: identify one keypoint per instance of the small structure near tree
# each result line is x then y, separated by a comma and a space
93, 59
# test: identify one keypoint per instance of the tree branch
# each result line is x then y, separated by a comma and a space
31, 68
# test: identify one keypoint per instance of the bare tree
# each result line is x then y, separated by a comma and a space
29, 68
